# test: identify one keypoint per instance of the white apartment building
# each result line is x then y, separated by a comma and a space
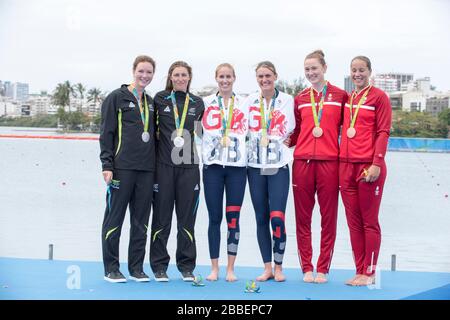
414, 100
401, 78
41, 104
385, 82
9, 108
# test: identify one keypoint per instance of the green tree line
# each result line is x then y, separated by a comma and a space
418, 124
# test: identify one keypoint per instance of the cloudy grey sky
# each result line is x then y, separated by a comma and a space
94, 42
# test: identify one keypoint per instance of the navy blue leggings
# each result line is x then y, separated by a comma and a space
269, 191
215, 179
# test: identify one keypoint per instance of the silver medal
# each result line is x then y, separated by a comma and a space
145, 136
178, 142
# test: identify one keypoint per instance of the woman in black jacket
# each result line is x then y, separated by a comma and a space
177, 175
127, 143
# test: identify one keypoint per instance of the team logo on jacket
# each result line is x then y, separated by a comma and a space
167, 109
131, 105
238, 125
191, 111
330, 97
212, 120
278, 124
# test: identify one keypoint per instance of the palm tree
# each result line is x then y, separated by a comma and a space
95, 95
80, 89
62, 94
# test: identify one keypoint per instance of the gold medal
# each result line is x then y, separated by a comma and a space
264, 141
351, 132
317, 132
225, 142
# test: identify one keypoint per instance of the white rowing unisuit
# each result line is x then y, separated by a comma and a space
213, 152
282, 123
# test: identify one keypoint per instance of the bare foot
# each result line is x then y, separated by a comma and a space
351, 282
364, 281
265, 276
279, 276
231, 277
321, 278
213, 276
308, 277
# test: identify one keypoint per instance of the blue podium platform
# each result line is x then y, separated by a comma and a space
30, 279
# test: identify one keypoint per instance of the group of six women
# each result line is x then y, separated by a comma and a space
149, 156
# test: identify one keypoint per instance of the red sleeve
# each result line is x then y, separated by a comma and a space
383, 115
298, 121
344, 101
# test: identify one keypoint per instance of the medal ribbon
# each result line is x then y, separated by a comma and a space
264, 123
317, 118
226, 123
361, 101
143, 110
179, 125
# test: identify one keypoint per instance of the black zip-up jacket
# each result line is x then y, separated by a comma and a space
121, 145
166, 127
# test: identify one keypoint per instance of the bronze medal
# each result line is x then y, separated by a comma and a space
351, 132
317, 132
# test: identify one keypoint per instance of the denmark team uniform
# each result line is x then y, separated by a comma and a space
362, 199
315, 169
268, 171
224, 166
177, 182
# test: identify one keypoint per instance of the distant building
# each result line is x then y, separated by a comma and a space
348, 84
8, 89
414, 100
41, 104
402, 78
437, 104
25, 110
20, 91
396, 99
385, 83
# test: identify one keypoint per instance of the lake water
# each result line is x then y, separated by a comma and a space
52, 191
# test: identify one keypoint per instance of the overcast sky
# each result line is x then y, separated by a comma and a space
95, 42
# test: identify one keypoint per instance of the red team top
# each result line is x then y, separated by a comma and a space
326, 147
372, 125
